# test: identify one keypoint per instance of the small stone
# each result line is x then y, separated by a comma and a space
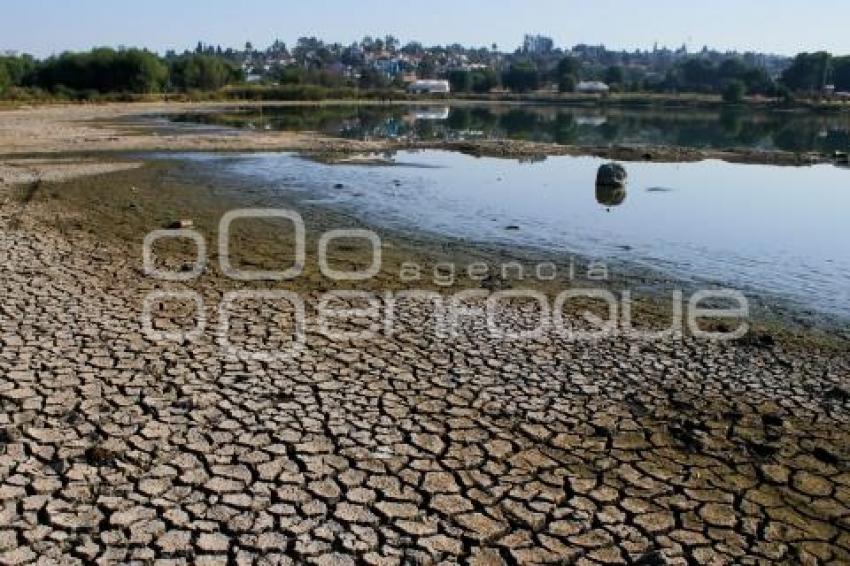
326, 489
20, 555
174, 542
441, 544
440, 482
213, 542
451, 504
482, 527
354, 514
219, 484
655, 522
719, 515
811, 484
397, 510
429, 442
130, 516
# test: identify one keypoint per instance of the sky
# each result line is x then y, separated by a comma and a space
44, 27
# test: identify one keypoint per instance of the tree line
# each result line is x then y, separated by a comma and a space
811, 72
130, 70
732, 78
106, 70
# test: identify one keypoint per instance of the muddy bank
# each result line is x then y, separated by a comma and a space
341, 152
100, 136
21, 171
120, 208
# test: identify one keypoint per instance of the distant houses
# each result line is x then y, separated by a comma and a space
389, 67
831, 92
429, 87
592, 70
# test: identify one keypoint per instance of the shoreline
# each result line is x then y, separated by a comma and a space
684, 100
117, 127
55, 165
120, 205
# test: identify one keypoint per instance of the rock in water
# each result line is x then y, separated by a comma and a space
611, 175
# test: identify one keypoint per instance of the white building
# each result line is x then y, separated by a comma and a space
592, 87
429, 87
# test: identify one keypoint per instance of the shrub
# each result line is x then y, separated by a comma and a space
734, 92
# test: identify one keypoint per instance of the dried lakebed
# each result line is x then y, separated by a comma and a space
403, 449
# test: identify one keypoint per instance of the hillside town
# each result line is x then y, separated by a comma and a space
385, 68
386, 61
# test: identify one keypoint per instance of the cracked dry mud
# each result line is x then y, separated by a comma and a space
395, 450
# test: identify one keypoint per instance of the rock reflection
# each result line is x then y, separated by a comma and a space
610, 195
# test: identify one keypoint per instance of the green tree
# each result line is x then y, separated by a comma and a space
756, 80
103, 70
615, 75
141, 71
289, 75
567, 74
523, 76
841, 73
732, 69
808, 72
734, 92
484, 81
372, 79
460, 80
567, 83
568, 66
784, 94
203, 72
5, 80
697, 75
18, 70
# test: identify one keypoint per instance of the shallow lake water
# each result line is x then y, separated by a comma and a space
780, 231
695, 128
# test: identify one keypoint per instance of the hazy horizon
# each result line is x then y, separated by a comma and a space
41, 27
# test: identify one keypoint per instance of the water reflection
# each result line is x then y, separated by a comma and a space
610, 195
733, 127
438, 114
